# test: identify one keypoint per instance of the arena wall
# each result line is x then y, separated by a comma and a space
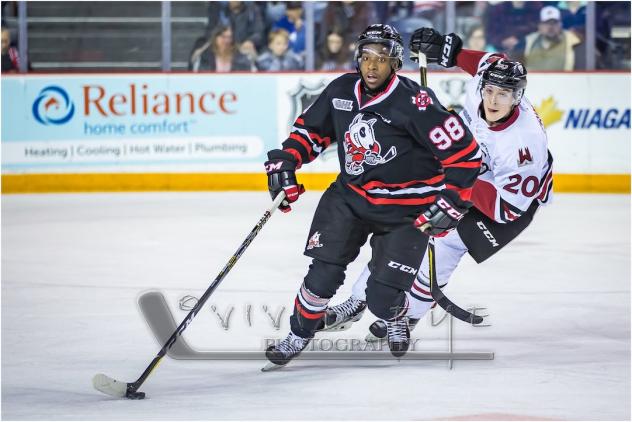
183, 131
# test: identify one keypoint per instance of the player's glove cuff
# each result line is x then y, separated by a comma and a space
281, 168
441, 217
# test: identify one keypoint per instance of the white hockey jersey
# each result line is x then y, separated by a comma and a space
517, 166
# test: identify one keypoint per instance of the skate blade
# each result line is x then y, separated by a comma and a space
270, 366
337, 327
342, 326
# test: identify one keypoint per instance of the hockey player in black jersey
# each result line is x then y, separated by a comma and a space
405, 161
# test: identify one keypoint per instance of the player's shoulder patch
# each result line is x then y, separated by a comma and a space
422, 100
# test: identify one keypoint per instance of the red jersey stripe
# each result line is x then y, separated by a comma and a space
545, 186
389, 201
325, 142
377, 184
296, 155
306, 144
456, 157
465, 164
464, 193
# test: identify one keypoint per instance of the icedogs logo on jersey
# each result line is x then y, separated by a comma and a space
53, 106
361, 147
314, 241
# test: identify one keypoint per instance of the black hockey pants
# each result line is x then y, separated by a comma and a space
335, 238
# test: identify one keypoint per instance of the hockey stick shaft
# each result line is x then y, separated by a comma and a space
438, 295
423, 69
435, 291
134, 386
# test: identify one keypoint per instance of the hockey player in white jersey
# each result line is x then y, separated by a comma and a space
514, 180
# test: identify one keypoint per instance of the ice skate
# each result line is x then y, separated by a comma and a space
377, 330
398, 336
281, 354
341, 317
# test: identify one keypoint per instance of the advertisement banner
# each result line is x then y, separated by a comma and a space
226, 123
88, 121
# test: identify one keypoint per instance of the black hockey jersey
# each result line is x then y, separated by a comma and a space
396, 150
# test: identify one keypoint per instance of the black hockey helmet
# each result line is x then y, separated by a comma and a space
385, 35
506, 74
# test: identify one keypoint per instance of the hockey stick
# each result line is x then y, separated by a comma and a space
440, 298
120, 389
423, 69
435, 291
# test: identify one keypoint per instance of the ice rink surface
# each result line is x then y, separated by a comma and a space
74, 266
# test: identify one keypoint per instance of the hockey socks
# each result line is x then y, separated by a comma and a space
309, 313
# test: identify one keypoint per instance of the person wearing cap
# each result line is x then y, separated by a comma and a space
551, 47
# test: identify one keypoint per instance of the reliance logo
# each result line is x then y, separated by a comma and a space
53, 106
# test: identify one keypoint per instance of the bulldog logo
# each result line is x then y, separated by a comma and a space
361, 147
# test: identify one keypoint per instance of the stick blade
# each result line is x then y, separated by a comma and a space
109, 386
269, 367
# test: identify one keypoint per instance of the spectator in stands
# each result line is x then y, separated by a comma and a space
279, 57
218, 53
293, 23
615, 51
506, 24
573, 14
10, 57
349, 17
335, 53
434, 11
551, 47
246, 21
475, 40
336, 15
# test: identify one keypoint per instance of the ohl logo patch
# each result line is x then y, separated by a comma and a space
53, 106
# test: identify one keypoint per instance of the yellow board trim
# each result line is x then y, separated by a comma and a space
135, 182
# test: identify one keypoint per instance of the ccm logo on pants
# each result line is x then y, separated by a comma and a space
487, 233
402, 267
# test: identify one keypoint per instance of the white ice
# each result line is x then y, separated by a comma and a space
73, 267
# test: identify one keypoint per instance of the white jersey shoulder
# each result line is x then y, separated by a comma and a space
515, 156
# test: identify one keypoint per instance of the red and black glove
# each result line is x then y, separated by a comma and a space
281, 170
441, 217
438, 48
